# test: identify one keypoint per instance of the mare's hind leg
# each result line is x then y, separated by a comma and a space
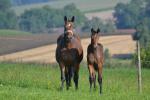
91, 72
76, 75
100, 77
62, 68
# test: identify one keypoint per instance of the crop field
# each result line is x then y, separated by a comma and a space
83, 5
14, 42
39, 82
117, 44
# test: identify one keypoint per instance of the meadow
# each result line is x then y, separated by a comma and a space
41, 82
85, 6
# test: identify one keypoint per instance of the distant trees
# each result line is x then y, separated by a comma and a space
71, 10
95, 22
4, 5
24, 2
136, 14
44, 19
8, 18
40, 19
128, 15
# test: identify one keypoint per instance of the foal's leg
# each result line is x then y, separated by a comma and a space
76, 75
94, 80
62, 68
100, 76
91, 72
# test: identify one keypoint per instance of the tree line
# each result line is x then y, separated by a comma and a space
24, 2
136, 14
43, 20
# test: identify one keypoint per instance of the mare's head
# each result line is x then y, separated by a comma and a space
94, 37
68, 28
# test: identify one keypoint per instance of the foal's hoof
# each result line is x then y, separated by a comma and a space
67, 88
61, 89
76, 88
100, 93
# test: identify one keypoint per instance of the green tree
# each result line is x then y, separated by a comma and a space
4, 5
34, 20
95, 22
129, 15
44, 19
8, 19
71, 10
109, 26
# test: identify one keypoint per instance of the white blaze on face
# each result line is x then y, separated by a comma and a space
69, 25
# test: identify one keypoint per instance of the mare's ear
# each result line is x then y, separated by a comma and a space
65, 18
92, 30
98, 30
72, 19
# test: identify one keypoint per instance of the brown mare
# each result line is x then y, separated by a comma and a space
95, 59
69, 54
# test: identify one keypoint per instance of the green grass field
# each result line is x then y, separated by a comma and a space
6, 32
83, 5
41, 82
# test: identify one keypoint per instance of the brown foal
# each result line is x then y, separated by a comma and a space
95, 59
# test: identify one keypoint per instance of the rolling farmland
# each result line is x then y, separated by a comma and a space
117, 44
104, 15
83, 5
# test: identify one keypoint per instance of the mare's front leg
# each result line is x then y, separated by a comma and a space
67, 77
70, 75
76, 75
62, 69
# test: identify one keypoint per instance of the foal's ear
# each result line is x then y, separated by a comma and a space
98, 30
65, 18
92, 30
72, 19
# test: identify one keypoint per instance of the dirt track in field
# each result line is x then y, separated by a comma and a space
104, 15
118, 44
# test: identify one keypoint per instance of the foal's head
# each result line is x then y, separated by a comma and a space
68, 28
94, 37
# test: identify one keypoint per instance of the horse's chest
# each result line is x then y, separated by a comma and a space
94, 56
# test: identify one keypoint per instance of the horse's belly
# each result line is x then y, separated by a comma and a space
68, 56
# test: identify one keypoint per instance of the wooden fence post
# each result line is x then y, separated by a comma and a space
139, 67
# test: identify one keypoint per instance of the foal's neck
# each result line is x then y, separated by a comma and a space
94, 46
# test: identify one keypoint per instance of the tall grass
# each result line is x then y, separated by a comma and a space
41, 82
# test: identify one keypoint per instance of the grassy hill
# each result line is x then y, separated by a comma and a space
83, 5
37, 82
6, 32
